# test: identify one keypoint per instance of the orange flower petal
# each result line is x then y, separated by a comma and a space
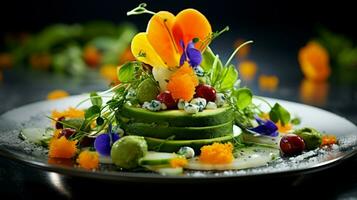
247, 70
57, 94
159, 34
268, 83
314, 92
144, 52
314, 61
190, 24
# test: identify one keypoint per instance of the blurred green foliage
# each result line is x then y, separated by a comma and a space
60, 48
343, 55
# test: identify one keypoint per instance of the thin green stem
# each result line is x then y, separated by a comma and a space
235, 52
263, 100
140, 10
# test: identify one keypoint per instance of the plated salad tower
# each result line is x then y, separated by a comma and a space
177, 107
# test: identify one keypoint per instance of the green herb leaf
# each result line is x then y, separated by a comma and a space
295, 121
126, 73
91, 111
231, 76
279, 113
207, 60
242, 97
99, 121
96, 99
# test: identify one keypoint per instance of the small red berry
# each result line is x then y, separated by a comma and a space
291, 145
206, 91
166, 98
67, 132
59, 125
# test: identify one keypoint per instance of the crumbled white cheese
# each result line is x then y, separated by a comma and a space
200, 102
188, 152
131, 95
163, 106
191, 108
181, 104
199, 71
153, 105
220, 99
211, 105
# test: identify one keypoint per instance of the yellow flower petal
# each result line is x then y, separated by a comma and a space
144, 52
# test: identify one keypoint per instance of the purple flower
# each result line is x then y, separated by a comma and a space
265, 127
190, 54
103, 143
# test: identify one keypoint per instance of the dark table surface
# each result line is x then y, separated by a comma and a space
21, 87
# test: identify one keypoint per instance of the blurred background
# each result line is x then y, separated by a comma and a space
304, 51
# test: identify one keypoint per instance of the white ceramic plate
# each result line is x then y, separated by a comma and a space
34, 115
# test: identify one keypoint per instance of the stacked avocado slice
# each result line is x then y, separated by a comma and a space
168, 131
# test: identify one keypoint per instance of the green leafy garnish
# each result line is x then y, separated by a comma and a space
91, 111
126, 72
279, 113
242, 97
96, 99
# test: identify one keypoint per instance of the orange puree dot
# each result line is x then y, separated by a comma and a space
62, 148
88, 160
182, 83
217, 153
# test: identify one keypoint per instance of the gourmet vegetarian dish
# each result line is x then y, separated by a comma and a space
177, 107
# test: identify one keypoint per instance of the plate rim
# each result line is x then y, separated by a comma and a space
149, 177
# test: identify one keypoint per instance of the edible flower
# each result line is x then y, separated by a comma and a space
162, 45
178, 162
62, 148
248, 69
314, 92
69, 113
217, 153
268, 82
103, 143
109, 72
314, 62
265, 127
57, 94
190, 54
284, 128
88, 160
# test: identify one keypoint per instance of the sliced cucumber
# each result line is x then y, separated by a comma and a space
166, 171
261, 140
248, 157
178, 118
179, 133
174, 145
40, 136
157, 158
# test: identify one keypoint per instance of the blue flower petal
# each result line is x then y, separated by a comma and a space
102, 143
265, 128
194, 56
183, 58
